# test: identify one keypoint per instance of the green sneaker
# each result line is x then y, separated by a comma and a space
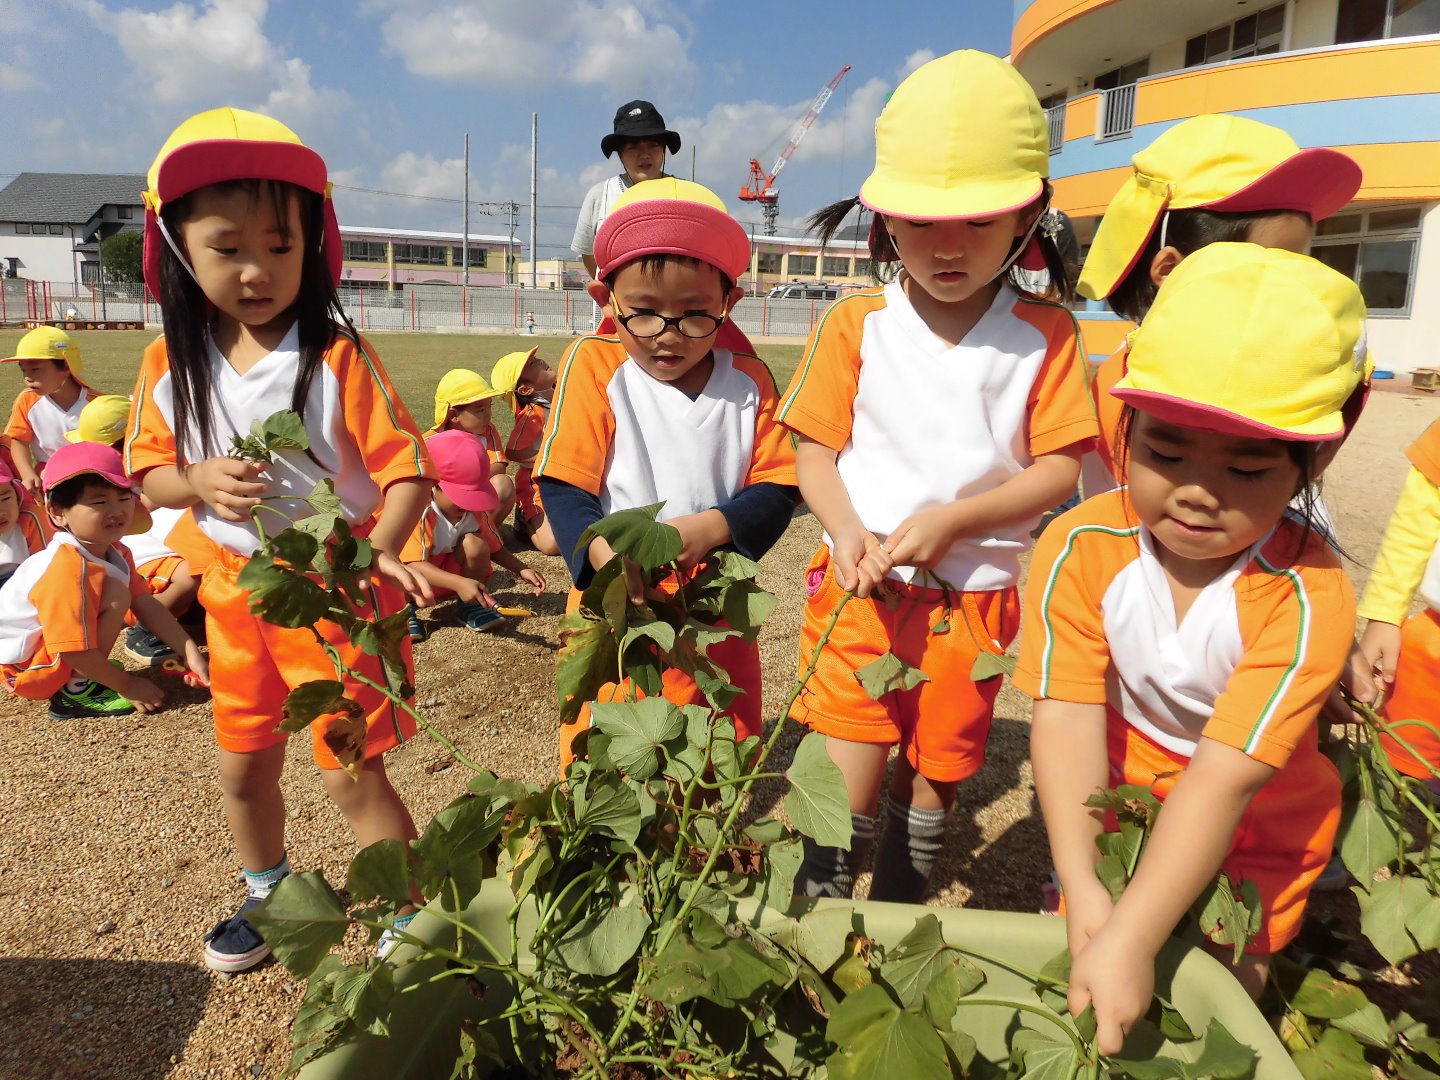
93, 700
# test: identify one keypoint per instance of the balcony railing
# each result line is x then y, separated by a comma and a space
1055, 115
1117, 113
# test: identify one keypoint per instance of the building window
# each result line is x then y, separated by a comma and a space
1259, 34
127, 213
1375, 20
1376, 248
1123, 75
55, 230
22, 228
862, 267
364, 250
802, 265
767, 262
477, 257
833, 266
421, 254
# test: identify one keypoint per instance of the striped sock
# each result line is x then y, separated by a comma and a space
263, 883
907, 851
831, 871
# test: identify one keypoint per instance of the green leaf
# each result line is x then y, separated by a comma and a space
820, 936
989, 665
877, 1040
1367, 840
1044, 1057
283, 430
456, 847
656, 630
309, 701
380, 871
584, 663
1335, 1056
1386, 912
638, 731
1424, 923
1056, 969
1228, 916
747, 606
365, 997
281, 596
782, 863
1325, 997
818, 802
705, 961
887, 673
611, 807
636, 535
295, 547
301, 921
602, 942
323, 500
920, 958
1367, 1024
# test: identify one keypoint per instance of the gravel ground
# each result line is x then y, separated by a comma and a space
114, 859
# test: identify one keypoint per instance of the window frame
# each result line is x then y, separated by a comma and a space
1359, 238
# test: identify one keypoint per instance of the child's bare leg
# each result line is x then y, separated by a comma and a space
180, 593
473, 555
831, 871
254, 805
505, 492
916, 808
1251, 972
114, 605
370, 804
542, 536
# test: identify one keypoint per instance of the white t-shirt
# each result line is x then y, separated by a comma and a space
598, 201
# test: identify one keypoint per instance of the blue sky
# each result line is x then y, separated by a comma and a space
387, 89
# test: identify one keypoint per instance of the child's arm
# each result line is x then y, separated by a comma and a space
466, 588
508, 561
924, 537
156, 617
25, 467
1068, 754
230, 486
95, 666
860, 561
1115, 972
405, 501
1410, 540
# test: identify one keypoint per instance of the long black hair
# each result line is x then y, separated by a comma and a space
187, 314
885, 260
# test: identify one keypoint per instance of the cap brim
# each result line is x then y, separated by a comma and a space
611, 143
1193, 414
1318, 182
1126, 228
475, 500
923, 202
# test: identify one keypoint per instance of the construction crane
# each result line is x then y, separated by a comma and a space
761, 185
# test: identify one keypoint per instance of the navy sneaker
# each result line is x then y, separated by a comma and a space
143, 646
90, 702
477, 616
233, 944
418, 630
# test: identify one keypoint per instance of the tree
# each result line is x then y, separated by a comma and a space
123, 255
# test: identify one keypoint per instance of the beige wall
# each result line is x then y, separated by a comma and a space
1402, 344
1312, 23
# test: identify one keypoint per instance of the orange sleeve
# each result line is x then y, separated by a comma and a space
149, 442
138, 585
422, 540
1297, 625
67, 602
1062, 413
1109, 408
1064, 653
36, 528
495, 446
376, 418
525, 435
1424, 453
820, 401
19, 426
772, 457
581, 425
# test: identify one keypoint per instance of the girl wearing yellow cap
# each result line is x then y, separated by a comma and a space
242, 249
937, 418
1183, 634
51, 403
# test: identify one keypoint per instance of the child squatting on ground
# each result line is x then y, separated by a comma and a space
527, 381
659, 413
242, 249
938, 418
464, 401
62, 610
455, 542
24, 527
50, 404
1183, 633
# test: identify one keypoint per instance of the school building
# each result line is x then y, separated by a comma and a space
390, 259
781, 259
1361, 76
52, 224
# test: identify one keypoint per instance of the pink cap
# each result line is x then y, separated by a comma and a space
8, 477
78, 458
464, 469
672, 227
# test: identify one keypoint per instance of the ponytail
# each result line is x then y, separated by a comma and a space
826, 223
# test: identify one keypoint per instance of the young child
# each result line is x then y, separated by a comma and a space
1183, 634
63, 609
242, 249
1208, 179
937, 419
455, 544
464, 401
24, 529
527, 380
660, 414
50, 404
1405, 660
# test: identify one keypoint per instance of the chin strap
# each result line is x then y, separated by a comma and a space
160, 222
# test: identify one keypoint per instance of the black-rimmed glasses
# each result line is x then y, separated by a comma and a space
648, 324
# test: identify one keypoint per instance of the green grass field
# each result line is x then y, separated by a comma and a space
415, 362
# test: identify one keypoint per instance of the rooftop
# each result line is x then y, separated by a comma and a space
67, 198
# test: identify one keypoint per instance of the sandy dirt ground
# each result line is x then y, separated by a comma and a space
114, 857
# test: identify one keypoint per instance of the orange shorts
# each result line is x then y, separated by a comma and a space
1284, 839
1417, 689
739, 658
527, 495
158, 573
254, 665
41, 676
942, 724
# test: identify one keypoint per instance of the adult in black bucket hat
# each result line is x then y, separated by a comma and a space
642, 140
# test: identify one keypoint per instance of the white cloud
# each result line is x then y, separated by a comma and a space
919, 58
14, 77
498, 42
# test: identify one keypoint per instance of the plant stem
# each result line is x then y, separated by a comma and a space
1035, 1010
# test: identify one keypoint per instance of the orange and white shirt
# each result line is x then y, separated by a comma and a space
361, 435
917, 423
27, 536
632, 440
36, 420
52, 598
525, 436
1250, 665
436, 534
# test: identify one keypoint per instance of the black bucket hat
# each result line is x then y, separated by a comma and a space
639, 120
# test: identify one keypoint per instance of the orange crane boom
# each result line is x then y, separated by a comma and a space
761, 185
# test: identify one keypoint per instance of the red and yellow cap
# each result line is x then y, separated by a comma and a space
232, 144
670, 216
1250, 341
1212, 162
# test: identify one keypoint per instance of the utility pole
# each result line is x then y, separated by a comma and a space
465, 227
100, 249
511, 208
534, 158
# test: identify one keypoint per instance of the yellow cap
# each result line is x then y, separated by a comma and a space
669, 187
505, 375
460, 386
102, 420
1212, 162
962, 137
1251, 341
49, 343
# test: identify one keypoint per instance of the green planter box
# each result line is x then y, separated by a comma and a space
428, 1020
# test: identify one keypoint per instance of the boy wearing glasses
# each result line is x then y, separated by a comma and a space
660, 414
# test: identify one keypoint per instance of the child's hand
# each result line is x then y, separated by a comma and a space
924, 538
1380, 648
146, 696
860, 562
533, 578
474, 592
1116, 977
230, 485
700, 534
1087, 908
397, 573
198, 663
